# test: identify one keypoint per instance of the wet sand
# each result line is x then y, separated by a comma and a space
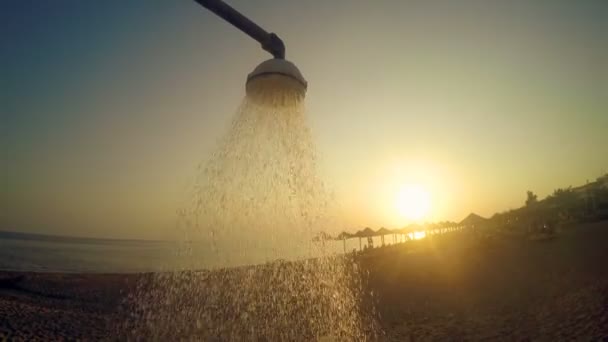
454, 287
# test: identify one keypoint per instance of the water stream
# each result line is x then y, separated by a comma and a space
257, 201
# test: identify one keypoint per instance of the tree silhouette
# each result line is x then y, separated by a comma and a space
531, 198
567, 203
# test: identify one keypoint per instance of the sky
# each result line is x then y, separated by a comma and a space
108, 106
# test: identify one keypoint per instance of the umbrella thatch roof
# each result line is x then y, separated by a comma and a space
344, 236
414, 227
403, 230
367, 232
384, 231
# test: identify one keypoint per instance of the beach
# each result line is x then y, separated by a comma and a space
497, 288
457, 287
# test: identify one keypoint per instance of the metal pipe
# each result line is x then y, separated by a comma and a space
270, 41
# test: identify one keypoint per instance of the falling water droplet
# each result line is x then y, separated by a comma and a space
259, 201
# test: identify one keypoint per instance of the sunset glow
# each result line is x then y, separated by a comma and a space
467, 104
413, 202
419, 235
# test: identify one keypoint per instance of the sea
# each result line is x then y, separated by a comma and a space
27, 252
46, 253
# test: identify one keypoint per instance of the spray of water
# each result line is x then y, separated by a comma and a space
257, 202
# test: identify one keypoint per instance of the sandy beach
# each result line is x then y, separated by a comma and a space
454, 287
497, 288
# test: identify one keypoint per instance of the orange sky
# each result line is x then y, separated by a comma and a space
111, 107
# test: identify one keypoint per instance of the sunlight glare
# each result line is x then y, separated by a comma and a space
413, 202
419, 235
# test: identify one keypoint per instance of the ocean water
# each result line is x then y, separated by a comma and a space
44, 253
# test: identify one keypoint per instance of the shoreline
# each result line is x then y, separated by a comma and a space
458, 288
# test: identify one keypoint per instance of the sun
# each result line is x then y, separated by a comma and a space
413, 202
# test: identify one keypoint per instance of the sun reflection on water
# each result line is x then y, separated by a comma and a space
418, 235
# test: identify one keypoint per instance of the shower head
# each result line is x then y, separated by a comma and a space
276, 81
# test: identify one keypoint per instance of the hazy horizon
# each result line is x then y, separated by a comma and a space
108, 108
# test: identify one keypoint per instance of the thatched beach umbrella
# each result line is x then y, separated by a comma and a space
359, 234
433, 228
383, 231
413, 228
343, 236
402, 232
365, 233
